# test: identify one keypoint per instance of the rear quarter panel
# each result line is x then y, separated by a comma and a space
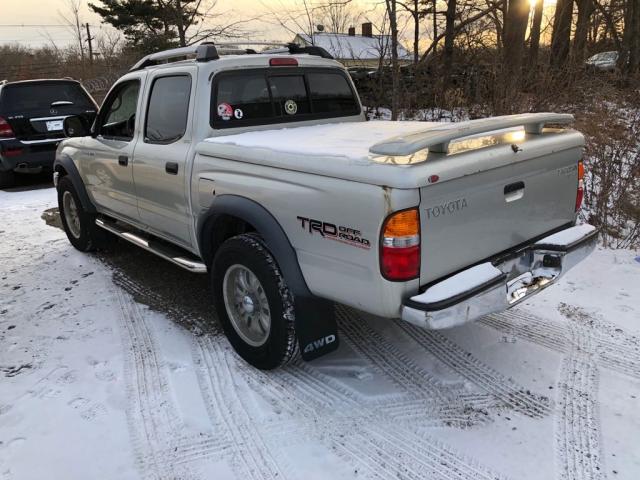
333, 225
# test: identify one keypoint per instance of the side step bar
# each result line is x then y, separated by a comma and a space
166, 251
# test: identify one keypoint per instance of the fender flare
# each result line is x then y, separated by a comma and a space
64, 162
266, 225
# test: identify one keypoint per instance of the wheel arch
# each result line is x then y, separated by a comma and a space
64, 166
234, 208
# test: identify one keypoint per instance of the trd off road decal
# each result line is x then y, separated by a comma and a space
339, 233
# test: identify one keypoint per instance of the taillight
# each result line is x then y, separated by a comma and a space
400, 246
5, 129
283, 62
580, 192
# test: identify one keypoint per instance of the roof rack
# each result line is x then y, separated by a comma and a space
207, 51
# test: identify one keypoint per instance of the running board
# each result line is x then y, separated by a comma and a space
173, 254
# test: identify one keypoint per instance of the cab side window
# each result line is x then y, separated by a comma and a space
118, 116
168, 109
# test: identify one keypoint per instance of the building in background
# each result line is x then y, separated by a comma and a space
364, 50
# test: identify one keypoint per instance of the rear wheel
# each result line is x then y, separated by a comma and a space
79, 225
253, 302
7, 179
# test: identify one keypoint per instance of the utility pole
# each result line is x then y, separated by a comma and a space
89, 39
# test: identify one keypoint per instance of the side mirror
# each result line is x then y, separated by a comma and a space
75, 126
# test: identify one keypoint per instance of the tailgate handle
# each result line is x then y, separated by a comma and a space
514, 191
513, 187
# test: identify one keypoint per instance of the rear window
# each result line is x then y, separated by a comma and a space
39, 96
266, 96
331, 93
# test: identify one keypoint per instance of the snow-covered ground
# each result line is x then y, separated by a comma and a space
112, 367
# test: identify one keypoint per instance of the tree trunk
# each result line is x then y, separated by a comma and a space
449, 37
561, 36
182, 31
585, 10
535, 34
515, 28
630, 55
416, 31
435, 25
395, 67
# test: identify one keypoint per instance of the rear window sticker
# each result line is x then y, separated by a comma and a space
225, 111
238, 113
290, 107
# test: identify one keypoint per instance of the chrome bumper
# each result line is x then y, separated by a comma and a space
496, 286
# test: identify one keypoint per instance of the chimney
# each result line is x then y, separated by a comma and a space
352, 31
367, 29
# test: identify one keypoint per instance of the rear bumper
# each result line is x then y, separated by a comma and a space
27, 156
496, 286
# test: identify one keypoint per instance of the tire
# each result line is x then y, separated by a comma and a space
241, 314
79, 225
7, 179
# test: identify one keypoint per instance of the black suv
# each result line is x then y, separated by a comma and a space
31, 116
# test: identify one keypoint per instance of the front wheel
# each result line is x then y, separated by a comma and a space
253, 302
79, 225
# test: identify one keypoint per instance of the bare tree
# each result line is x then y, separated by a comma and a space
515, 27
337, 15
413, 8
534, 45
71, 18
585, 11
392, 12
630, 55
561, 35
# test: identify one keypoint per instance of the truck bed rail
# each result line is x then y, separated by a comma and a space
437, 139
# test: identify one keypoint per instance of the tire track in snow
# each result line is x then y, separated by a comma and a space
384, 452
157, 432
446, 403
217, 382
386, 358
464, 364
612, 348
577, 424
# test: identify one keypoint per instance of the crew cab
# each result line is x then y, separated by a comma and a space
31, 117
261, 170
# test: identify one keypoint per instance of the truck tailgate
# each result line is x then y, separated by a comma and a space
491, 205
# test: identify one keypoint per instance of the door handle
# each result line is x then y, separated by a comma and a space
171, 168
514, 191
123, 160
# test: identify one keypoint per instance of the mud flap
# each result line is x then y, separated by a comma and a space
316, 327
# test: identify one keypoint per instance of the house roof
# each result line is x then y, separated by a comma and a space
356, 47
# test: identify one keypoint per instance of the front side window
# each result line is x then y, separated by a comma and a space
168, 109
118, 115
268, 96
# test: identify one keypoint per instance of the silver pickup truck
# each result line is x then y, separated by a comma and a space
261, 170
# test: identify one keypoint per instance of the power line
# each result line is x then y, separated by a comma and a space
23, 25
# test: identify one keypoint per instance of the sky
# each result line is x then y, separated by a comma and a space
35, 23
44, 13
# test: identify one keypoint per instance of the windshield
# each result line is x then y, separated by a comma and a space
39, 96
